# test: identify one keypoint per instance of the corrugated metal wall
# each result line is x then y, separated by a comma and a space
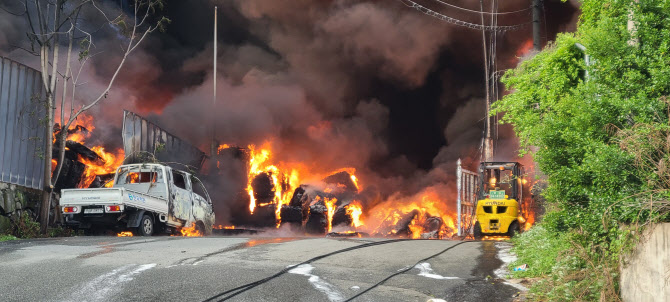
22, 134
141, 136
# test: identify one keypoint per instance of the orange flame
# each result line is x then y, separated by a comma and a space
330, 205
284, 183
496, 238
428, 205
82, 120
224, 227
354, 210
54, 163
355, 180
110, 163
191, 231
222, 146
125, 234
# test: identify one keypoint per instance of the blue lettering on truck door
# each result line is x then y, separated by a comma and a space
136, 198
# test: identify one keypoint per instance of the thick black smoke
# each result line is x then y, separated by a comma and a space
374, 85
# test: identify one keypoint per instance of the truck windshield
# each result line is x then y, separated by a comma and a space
136, 175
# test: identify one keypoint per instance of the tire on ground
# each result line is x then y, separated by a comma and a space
200, 227
477, 231
513, 229
147, 226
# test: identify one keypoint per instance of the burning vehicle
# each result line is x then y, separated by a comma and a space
145, 198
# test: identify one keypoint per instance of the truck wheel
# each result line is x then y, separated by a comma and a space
513, 229
200, 227
477, 231
146, 227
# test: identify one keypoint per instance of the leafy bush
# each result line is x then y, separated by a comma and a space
5, 237
601, 140
540, 249
26, 227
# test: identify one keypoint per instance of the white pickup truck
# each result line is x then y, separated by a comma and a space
145, 198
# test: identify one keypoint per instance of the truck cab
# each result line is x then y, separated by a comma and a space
498, 209
144, 198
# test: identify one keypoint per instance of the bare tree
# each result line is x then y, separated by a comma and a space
56, 22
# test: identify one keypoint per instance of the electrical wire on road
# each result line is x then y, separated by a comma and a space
243, 288
402, 271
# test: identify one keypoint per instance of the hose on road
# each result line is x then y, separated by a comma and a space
240, 289
402, 271
226, 295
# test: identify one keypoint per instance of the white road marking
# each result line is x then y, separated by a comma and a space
426, 271
101, 287
331, 292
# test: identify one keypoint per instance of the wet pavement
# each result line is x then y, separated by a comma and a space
249, 269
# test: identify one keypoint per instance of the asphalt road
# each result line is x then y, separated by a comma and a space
195, 269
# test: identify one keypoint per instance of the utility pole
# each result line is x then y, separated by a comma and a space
537, 5
488, 141
214, 146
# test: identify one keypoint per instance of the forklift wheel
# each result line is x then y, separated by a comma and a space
513, 229
477, 231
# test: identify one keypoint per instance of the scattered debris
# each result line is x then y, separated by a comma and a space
234, 231
348, 234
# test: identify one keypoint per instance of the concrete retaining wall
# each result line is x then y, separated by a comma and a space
15, 200
647, 275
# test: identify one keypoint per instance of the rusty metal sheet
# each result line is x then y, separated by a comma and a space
142, 138
23, 134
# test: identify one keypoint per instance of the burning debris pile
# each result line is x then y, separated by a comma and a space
276, 195
82, 167
249, 189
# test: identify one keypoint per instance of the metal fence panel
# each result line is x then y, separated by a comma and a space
22, 134
142, 138
466, 199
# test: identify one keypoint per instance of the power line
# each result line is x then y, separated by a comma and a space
486, 13
458, 22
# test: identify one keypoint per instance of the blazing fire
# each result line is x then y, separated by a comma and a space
284, 183
424, 217
105, 163
109, 164
330, 205
191, 231
125, 234
355, 210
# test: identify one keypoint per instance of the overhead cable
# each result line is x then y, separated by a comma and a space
458, 22
486, 13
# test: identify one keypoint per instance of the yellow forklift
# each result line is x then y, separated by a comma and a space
499, 202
